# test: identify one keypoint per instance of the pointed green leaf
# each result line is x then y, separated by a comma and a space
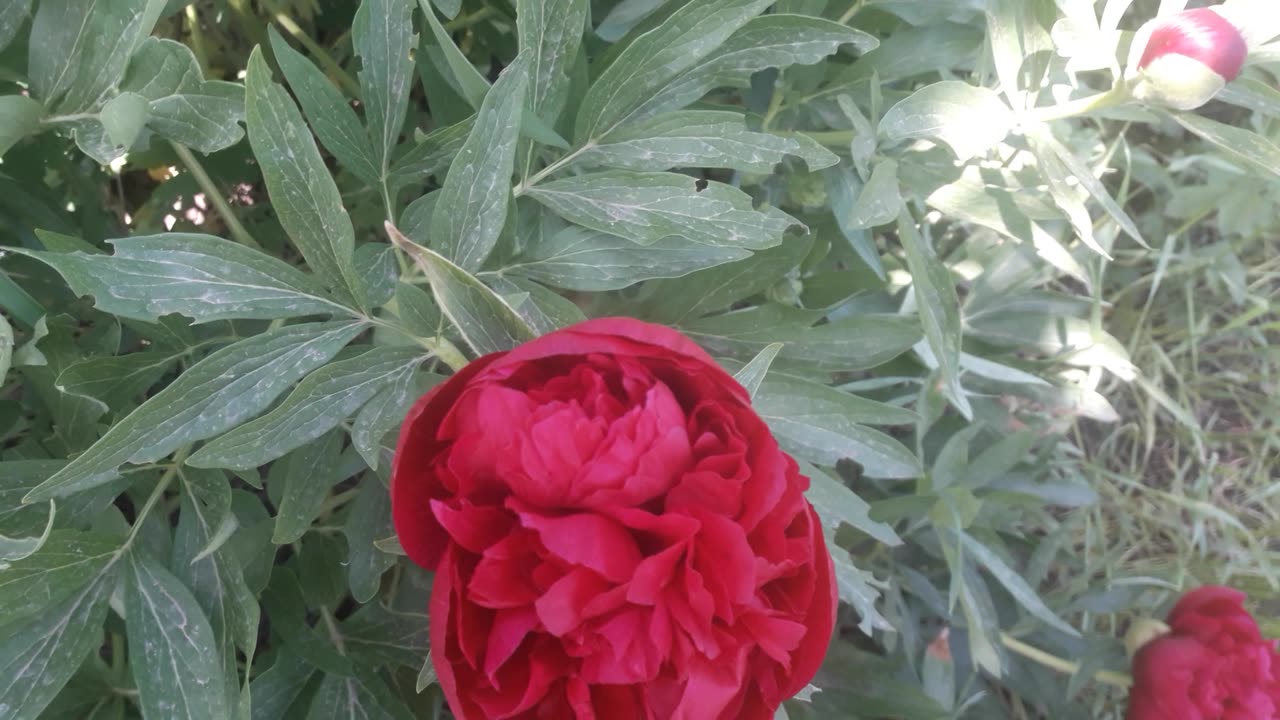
123, 118
473, 204
66, 562
1013, 582
306, 475
701, 138
1070, 166
12, 15
655, 58
363, 697
377, 635
201, 276
382, 34
433, 153
550, 32
880, 199
971, 120
214, 395
939, 307
302, 192
753, 373
837, 503
647, 207
486, 321
172, 650
468, 79
331, 116
382, 414
368, 522
114, 381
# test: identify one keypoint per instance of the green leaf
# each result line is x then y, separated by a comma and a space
377, 635
1243, 144
17, 548
302, 192
368, 522
306, 476
213, 574
66, 562
114, 381
777, 40
182, 105
6, 347
938, 305
382, 34
674, 302
655, 58
485, 320
19, 117
542, 309
1071, 166
433, 153
174, 657
123, 118
854, 342
577, 258
203, 277
323, 399
382, 414
474, 202
334, 121
81, 48
275, 690
837, 503
362, 697
1247, 92
214, 395
12, 15
880, 199
468, 79
1064, 193
971, 120
1013, 582
647, 207
753, 373
855, 587
550, 32
820, 424
701, 138
844, 188
39, 658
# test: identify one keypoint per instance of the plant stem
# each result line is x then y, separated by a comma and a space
197, 39
156, 494
215, 196
542, 174
853, 10
1118, 95
1054, 662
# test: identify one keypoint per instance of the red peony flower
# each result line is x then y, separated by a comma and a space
1212, 665
1188, 57
615, 534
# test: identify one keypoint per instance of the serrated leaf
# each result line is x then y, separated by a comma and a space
701, 138
647, 207
172, 650
306, 475
939, 308
19, 117
38, 659
334, 121
577, 258
549, 33
203, 277
484, 319
777, 40
214, 395
971, 120
854, 342
753, 373
382, 35
182, 105
369, 520
655, 58
79, 49
323, 399
474, 202
302, 192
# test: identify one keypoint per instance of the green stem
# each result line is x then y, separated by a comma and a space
1054, 662
1118, 95
197, 39
853, 10
156, 494
542, 174
215, 196
348, 83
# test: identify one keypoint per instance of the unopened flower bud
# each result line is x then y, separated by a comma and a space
1141, 632
1187, 58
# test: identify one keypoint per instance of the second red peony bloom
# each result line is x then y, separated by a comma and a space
615, 534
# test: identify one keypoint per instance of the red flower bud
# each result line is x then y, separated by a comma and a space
1188, 57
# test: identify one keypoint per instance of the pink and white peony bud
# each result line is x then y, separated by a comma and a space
1187, 58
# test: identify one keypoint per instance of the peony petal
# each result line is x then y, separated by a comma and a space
510, 628
588, 540
474, 527
561, 607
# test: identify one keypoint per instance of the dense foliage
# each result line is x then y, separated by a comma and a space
934, 239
